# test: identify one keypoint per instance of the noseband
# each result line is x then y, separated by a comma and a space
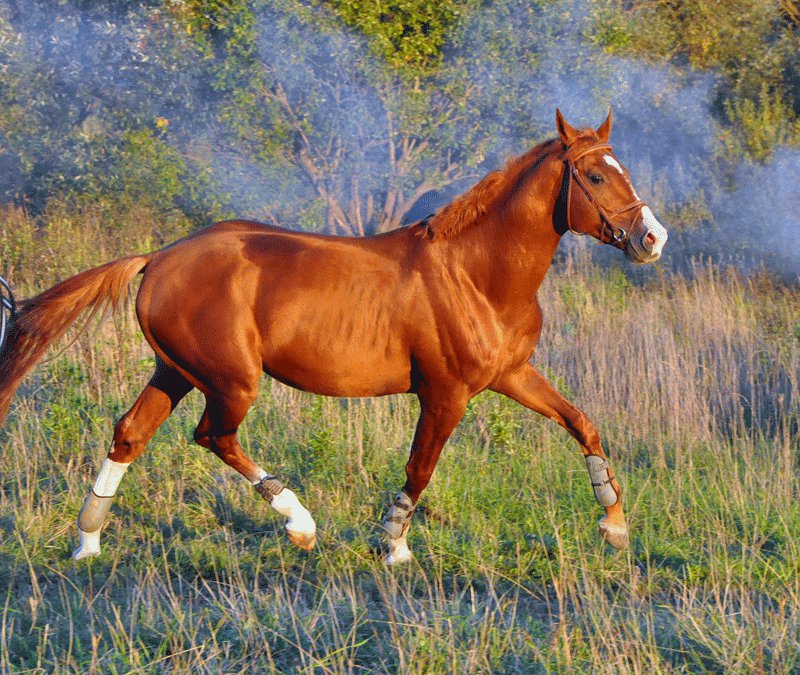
7, 311
609, 233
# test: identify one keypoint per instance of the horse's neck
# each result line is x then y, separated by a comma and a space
513, 249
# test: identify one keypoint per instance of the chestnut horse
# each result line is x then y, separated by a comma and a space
443, 309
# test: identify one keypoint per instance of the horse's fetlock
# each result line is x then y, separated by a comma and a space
269, 487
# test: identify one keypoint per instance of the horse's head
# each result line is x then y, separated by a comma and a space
599, 199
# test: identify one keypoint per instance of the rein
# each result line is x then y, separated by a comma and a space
8, 310
609, 233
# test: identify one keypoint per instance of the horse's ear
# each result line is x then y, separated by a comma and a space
604, 130
566, 131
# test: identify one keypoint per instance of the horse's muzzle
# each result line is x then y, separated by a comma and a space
647, 238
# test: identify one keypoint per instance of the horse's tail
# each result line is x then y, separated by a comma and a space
38, 322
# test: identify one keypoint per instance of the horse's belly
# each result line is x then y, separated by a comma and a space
338, 353
345, 373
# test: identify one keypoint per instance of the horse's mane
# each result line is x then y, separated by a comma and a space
466, 209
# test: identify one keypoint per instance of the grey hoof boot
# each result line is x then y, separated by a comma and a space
398, 517
601, 480
91, 518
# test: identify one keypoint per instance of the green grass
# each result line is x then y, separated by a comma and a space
693, 383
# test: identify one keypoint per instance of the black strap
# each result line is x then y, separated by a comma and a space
8, 310
561, 212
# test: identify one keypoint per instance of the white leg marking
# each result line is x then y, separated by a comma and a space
287, 504
89, 545
398, 550
109, 477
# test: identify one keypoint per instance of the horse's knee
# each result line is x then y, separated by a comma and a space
585, 431
128, 442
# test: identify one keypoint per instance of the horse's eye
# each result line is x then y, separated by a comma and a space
596, 178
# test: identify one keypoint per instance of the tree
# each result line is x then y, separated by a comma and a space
359, 110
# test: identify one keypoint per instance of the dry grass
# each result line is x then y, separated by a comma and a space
694, 383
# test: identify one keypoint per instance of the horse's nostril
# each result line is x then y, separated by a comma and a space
650, 239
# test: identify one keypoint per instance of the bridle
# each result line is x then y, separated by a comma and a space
609, 233
7, 310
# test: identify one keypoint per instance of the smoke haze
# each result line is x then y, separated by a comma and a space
517, 64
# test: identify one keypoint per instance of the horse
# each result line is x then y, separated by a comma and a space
444, 309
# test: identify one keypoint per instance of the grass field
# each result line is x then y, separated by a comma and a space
694, 383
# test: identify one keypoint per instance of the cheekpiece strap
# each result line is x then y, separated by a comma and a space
8, 310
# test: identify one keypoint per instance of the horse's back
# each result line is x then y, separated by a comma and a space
327, 314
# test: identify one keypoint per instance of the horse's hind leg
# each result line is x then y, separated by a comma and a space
131, 435
217, 431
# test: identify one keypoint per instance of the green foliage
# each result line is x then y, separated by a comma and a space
758, 124
146, 170
82, 86
408, 34
754, 45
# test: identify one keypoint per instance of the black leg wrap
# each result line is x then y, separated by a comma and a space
269, 487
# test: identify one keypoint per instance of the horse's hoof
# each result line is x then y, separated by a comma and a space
616, 535
304, 540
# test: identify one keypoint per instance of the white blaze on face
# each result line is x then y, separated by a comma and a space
613, 162
608, 159
656, 229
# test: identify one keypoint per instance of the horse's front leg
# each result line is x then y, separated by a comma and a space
527, 386
438, 417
